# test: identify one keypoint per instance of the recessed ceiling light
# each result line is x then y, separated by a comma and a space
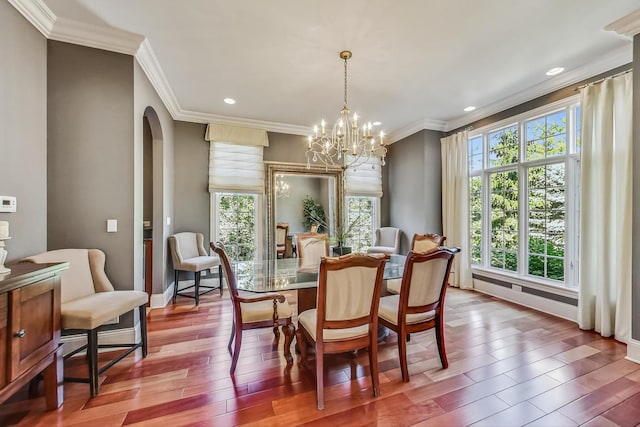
554, 71
469, 108
230, 101
377, 123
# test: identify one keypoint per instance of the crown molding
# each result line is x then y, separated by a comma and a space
414, 127
613, 59
37, 13
627, 26
151, 67
96, 36
198, 117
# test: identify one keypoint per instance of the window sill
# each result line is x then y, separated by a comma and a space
541, 285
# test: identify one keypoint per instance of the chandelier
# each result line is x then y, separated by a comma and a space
282, 187
345, 144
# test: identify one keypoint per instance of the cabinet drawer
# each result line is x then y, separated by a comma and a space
33, 328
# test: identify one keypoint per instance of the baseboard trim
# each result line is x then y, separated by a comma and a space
161, 300
114, 336
633, 351
555, 308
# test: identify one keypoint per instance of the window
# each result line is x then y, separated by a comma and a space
363, 185
236, 224
361, 219
523, 190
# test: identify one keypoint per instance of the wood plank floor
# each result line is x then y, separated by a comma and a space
508, 366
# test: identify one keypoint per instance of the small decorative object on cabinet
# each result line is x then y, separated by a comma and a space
30, 329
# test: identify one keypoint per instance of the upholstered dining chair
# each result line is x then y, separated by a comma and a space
282, 229
311, 247
420, 305
346, 316
188, 254
420, 243
255, 311
88, 301
426, 242
387, 241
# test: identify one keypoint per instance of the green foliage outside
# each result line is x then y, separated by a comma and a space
360, 223
546, 137
237, 225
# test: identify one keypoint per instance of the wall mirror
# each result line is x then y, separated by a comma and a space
287, 185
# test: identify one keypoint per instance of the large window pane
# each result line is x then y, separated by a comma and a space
546, 202
236, 224
546, 136
504, 220
504, 146
360, 222
475, 154
475, 192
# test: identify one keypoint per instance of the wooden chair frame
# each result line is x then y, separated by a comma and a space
402, 328
369, 341
238, 326
280, 248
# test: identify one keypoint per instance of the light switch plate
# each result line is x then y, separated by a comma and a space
112, 226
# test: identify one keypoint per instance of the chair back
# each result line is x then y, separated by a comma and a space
425, 279
85, 275
186, 245
281, 234
349, 291
426, 242
311, 247
218, 248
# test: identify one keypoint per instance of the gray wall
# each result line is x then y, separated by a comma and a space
191, 163
23, 132
90, 157
285, 148
414, 174
635, 261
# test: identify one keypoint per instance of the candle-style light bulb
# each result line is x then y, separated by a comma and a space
322, 123
310, 138
355, 120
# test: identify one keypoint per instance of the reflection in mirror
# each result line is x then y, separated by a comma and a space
316, 188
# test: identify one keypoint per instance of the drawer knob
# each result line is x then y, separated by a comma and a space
21, 333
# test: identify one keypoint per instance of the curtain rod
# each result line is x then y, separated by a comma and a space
603, 79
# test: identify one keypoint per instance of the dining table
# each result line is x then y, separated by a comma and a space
286, 274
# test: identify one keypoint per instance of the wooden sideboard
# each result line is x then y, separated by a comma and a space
30, 329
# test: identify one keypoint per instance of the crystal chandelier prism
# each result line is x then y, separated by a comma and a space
281, 187
345, 144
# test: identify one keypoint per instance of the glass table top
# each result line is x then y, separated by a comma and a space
274, 275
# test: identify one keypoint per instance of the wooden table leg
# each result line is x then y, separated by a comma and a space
53, 381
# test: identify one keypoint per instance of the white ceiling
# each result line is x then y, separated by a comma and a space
416, 64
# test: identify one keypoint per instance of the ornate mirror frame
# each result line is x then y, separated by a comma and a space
276, 168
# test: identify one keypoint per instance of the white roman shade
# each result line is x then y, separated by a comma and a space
364, 180
235, 167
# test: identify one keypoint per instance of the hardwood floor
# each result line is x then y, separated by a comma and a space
508, 366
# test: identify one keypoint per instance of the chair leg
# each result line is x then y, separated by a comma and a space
276, 333
320, 375
289, 331
175, 286
236, 352
197, 285
302, 346
92, 351
440, 341
220, 277
233, 332
402, 354
373, 364
143, 329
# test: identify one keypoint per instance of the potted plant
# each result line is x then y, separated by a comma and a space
341, 235
313, 213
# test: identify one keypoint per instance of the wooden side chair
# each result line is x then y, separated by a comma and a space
88, 301
420, 243
282, 229
188, 254
347, 314
420, 305
255, 311
311, 247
